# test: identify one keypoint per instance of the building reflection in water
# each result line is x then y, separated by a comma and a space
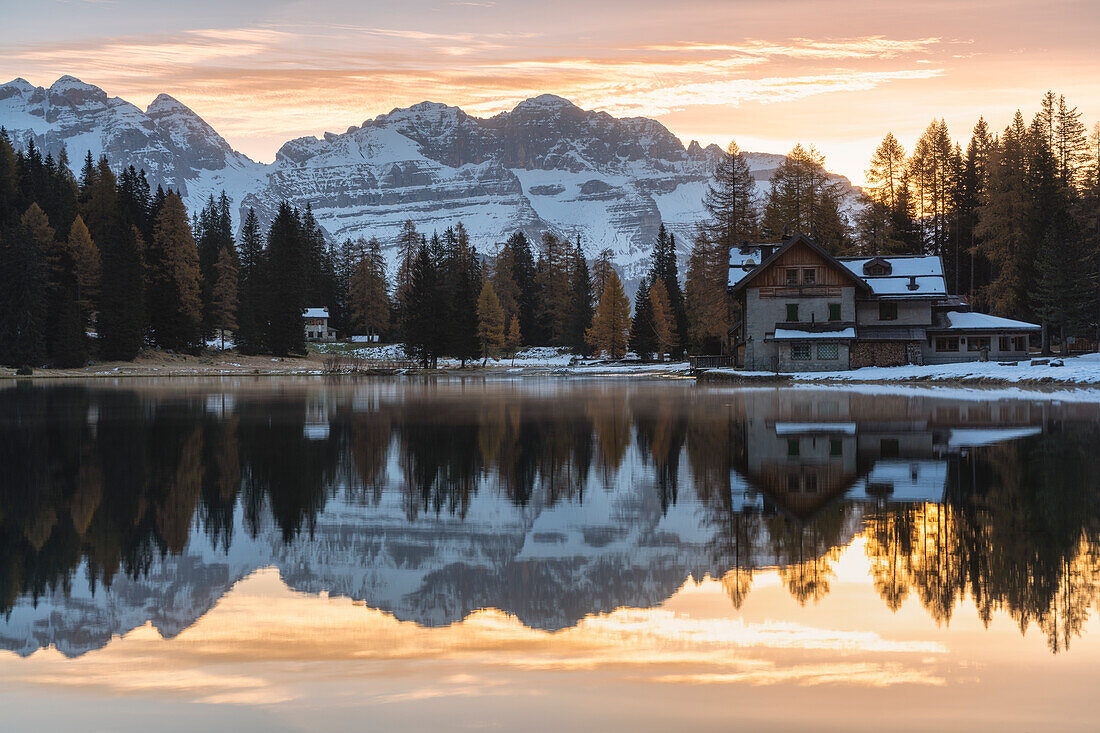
551, 501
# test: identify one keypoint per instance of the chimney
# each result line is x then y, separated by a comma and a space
913, 282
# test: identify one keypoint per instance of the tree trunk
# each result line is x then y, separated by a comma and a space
1045, 345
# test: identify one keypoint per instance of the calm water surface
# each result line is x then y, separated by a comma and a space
545, 555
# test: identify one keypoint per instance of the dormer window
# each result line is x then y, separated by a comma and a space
877, 267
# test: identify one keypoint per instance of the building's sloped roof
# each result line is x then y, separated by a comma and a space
966, 321
315, 313
790, 334
926, 272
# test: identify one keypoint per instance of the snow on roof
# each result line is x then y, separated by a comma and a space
315, 313
975, 437
790, 334
963, 321
925, 272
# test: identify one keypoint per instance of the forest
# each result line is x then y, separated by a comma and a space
98, 266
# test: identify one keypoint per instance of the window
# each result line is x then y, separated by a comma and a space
792, 484
828, 351
834, 311
888, 447
876, 270
811, 484
887, 311
836, 447
977, 343
792, 447
800, 352
1013, 343
947, 343
792, 312
809, 276
792, 276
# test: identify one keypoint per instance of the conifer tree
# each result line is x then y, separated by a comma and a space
513, 339
462, 270
705, 296
251, 312
730, 201
408, 246
580, 305
554, 292
666, 270
423, 312
225, 296
642, 338
601, 271
523, 271
611, 323
490, 322
803, 199
120, 310
661, 316
285, 295
24, 290
369, 298
85, 257
504, 281
175, 293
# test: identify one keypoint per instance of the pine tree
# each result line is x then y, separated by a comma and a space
730, 200
705, 295
369, 297
803, 199
490, 322
85, 256
285, 295
24, 295
252, 310
225, 296
611, 323
580, 303
120, 310
886, 171
514, 338
553, 287
462, 270
932, 171
661, 316
408, 245
1070, 143
642, 336
504, 281
601, 270
175, 292
523, 270
424, 316
666, 270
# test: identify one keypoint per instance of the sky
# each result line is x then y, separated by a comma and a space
766, 73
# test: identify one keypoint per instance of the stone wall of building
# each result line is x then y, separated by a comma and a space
878, 353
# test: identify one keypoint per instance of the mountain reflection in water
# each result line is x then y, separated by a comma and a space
548, 500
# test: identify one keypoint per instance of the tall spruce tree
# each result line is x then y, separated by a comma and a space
369, 296
581, 307
803, 199
252, 309
611, 323
24, 295
424, 313
666, 270
523, 270
642, 337
285, 295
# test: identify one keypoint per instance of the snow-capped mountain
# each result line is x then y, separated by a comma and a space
545, 165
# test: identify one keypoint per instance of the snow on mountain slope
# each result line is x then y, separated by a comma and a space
545, 165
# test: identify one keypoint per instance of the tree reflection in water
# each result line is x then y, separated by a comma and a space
995, 501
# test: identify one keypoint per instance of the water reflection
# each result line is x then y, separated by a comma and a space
550, 500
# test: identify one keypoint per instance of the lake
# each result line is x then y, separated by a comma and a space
265, 554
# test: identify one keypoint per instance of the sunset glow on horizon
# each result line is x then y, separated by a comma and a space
766, 74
